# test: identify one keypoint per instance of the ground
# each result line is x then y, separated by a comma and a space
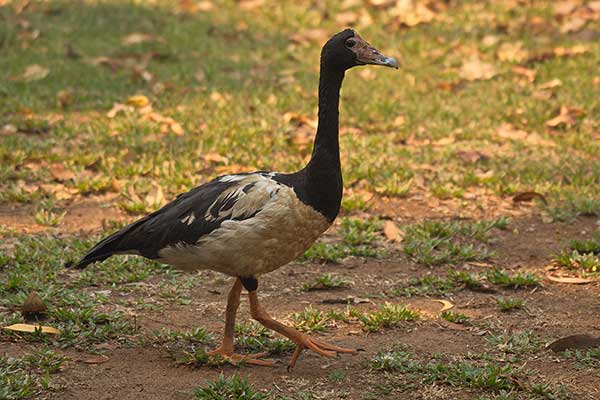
472, 196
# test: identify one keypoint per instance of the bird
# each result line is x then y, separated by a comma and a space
248, 224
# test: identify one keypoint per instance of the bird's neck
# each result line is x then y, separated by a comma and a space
323, 173
326, 150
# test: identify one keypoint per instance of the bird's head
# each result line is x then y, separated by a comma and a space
347, 49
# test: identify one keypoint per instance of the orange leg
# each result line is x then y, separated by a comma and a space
226, 348
302, 341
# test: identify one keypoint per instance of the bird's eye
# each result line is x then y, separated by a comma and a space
350, 43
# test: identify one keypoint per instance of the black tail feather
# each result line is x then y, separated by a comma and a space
105, 248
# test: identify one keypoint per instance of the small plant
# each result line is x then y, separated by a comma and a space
587, 262
388, 315
501, 277
325, 282
234, 388
393, 361
455, 317
507, 305
587, 358
524, 342
310, 320
253, 337
587, 246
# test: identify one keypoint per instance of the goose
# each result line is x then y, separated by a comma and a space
248, 224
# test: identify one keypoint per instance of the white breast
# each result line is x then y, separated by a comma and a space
284, 229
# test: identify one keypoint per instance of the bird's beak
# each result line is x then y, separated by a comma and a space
367, 54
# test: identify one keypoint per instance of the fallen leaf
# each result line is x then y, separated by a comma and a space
155, 197
399, 120
475, 69
138, 101
528, 196
512, 52
65, 98
446, 305
573, 24
250, 4
60, 173
200, 75
566, 116
444, 141
310, 35
176, 128
568, 279
580, 342
99, 359
550, 84
137, 38
470, 156
118, 108
508, 131
392, 232
191, 6
367, 74
32, 328
214, 158
32, 72
564, 8
8, 129
411, 13
526, 72
347, 18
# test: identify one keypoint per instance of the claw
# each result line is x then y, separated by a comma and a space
325, 349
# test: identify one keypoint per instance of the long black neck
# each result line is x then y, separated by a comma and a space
323, 172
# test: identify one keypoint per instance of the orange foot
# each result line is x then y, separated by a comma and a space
325, 349
235, 359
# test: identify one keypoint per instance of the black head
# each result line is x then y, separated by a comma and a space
347, 49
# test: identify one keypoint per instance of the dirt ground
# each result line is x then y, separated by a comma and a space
553, 311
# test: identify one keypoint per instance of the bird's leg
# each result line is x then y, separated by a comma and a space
302, 341
226, 348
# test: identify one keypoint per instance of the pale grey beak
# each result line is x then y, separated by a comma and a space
390, 62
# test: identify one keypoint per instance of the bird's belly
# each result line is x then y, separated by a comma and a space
272, 238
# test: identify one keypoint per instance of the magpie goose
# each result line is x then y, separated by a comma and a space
249, 224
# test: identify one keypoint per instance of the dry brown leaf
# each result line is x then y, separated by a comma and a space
118, 108
444, 141
176, 128
200, 75
528, 196
155, 197
508, 131
475, 69
99, 359
310, 35
526, 72
392, 232
399, 120
33, 72
564, 8
60, 173
470, 156
137, 38
214, 158
191, 6
568, 279
32, 328
8, 129
251, 4
566, 116
573, 24
347, 18
446, 305
580, 342
65, 98
411, 13
550, 84
367, 74
512, 52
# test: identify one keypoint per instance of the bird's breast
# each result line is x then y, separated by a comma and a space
283, 230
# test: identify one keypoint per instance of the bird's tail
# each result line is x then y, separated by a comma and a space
105, 248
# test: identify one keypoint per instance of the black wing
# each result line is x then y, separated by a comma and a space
189, 217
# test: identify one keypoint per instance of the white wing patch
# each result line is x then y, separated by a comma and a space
189, 219
243, 199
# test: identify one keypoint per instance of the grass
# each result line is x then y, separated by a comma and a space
310, 320
518, 343
27, 376
252, 337
584, 255
520, 279
232, 387
326, 282
388, 315
589, 358
447, 242
358, 238
493, 378
507, 304
455, 317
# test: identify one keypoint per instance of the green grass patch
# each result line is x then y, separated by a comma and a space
455, 317
508, 304
326, 282
589, 358
252, 337
234, 388
448, 242
520, 279
388, 315
29, 375
518, 343
359, 238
